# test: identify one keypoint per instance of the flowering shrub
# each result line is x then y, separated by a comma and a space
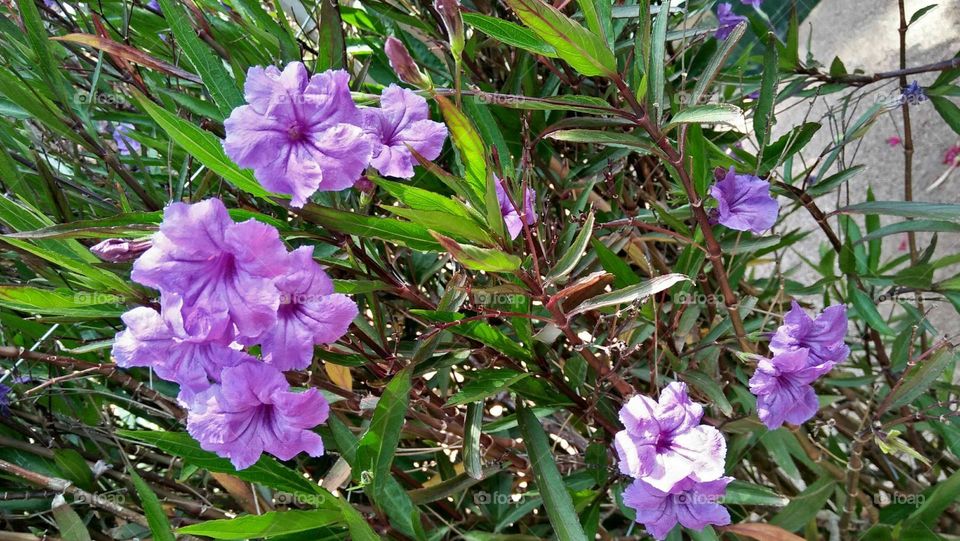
310, 270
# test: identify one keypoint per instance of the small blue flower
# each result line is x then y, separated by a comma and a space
913, 94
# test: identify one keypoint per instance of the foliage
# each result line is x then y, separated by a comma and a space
476, 395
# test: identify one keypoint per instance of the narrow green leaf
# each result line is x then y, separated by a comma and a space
378, 445
867, 311
919, 377
711, 113
552, 489
510, 33
906, 209
470, 147
476, 258
630, 294
267, 525
156, 518
216, 79
763, 115
587, 53
484, 383
717, 61
657, 66
572, 255
404, 233
472, 453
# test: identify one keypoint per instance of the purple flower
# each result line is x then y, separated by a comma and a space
744, 203
5, 400
823, 336
125, 144
727, 20
952, 155
913, 94
154, 5
225, 270
509, 212
690, 503
754, 3
783, 390
664, 442
253, 411
189, 352
310, 313
120, 250
402, 119
299, 134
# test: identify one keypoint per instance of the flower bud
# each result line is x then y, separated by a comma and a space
404, 65
120, 250
449, 11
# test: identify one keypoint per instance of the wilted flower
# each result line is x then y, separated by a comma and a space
744, 203
125, 144
402, 120
692, 504
299, 134
120, 250
509, 212
952, 156
220, 268
190, 353
783, 390
664, 442
310, 313
727, 20
823, 336
253, 411
893, 141
913, 94
404, 65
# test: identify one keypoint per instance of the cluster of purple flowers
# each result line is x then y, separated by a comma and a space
677, 463
803, 350
303, 134
225, 285
743, 202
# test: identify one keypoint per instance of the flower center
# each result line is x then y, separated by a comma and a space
295, 132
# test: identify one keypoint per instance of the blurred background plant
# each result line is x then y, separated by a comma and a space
477, 394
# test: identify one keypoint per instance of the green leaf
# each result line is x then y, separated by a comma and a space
948, 111
267, 525
266, 471
218, 82
378, 445
81, 304
479, 331
906, 209
717, 61
763, 115
586, 52
867, 311
571, 256
919, 377
744, 493
556, 499
420, 199
333, 54
804, 506
920, 13
711, 113
606, 138
630, 294
470, 148
472, 452
510, 33
911, 225
786, 146
156, 518
483, 259
709, 386
485, 382
204, 146
443, 222
826, 185
404, 233
74, 468
70, 524
656, 69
